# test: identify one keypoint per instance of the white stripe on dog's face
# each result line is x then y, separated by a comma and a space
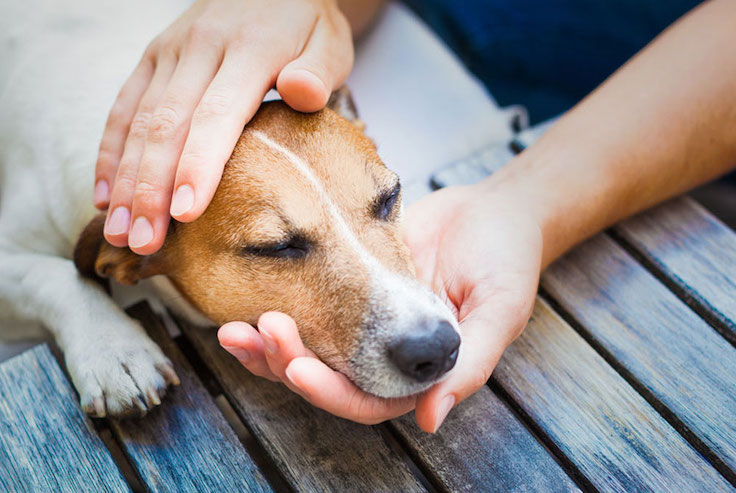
398, 304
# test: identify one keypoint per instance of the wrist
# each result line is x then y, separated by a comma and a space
563, 208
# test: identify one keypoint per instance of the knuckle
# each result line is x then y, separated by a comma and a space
153, 48
203, 32
148, 194
247, 38
213, 105
192, 159
164, 124
139, 125
123, 189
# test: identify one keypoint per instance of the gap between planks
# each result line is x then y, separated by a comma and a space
543, 438
662, 409
104, 431
692, 300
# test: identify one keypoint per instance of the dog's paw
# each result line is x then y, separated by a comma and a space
120, 378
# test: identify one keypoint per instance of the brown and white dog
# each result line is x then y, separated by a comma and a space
306, 221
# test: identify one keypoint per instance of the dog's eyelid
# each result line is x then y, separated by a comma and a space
295, 246
385, 203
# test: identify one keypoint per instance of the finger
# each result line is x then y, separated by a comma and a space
228, 104
281, 341
480, 350
116, 130
118, 216
243, 342
167, 132
336, 394
305, 84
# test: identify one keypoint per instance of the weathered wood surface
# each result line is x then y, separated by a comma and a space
601, 424
482, 446
185, 444
46, 442
474, 167
652, 336
694, 253
314, 451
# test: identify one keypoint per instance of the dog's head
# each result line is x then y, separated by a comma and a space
306, 221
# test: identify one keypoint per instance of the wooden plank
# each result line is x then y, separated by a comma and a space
46, 441
483, 446
185, 444
674, 356
474, 167
314, 451
607, 430
693, 253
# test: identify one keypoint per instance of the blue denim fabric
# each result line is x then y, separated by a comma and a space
546, 55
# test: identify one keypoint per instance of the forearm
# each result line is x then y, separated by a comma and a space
360, 13
664, 123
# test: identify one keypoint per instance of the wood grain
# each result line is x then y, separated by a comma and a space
656, 339
314, 451
694, 253
483, 446
607, 430
46, 442
185, 445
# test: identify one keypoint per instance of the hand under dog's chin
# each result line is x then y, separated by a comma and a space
386, 383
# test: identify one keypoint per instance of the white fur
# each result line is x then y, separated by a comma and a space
61, 65
399, 304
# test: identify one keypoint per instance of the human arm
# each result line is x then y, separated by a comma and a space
662, 124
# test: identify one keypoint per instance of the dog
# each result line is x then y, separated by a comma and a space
306, 220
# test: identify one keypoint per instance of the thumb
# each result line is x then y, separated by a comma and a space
305, 84
480, 350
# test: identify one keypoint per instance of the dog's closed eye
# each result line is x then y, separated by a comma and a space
385, 204
292, 248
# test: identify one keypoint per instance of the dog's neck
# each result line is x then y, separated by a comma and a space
177, 303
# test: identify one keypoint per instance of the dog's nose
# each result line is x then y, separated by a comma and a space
426, 354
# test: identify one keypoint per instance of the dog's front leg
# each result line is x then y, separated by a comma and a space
117, 369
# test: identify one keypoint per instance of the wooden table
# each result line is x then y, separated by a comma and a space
625, 380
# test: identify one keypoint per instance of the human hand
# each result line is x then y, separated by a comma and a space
276, 352
179, 115
480, 252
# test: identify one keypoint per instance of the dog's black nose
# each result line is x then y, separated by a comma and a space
428, 353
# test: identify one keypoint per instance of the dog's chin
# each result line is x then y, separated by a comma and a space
385, 381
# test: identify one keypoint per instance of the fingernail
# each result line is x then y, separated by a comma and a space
268, 342
443, 411
288, 375
141, 233
119, 222
302, 392
241, 354
101, 194
183, 200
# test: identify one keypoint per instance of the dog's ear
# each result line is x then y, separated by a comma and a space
341, 102
96, 258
